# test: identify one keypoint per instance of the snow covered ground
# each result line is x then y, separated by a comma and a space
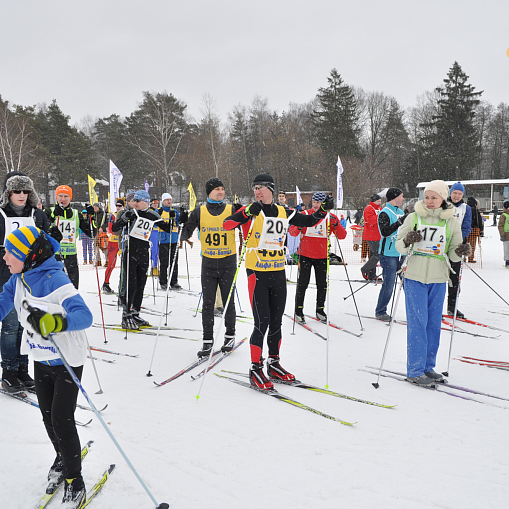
236, 448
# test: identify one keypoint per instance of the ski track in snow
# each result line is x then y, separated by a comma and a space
236, 448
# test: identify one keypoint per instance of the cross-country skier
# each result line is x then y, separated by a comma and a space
112, 248
371, 235
391, 217
47, 303
265, 266
69, 221
313, 253
463, 213
434, 237
219, 260
138, 222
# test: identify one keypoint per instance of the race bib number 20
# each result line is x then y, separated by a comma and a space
273, 233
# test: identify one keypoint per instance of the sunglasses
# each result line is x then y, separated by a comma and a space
118, 205
136, 200
258, 188
19, 192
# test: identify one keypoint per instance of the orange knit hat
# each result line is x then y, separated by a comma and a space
63, 189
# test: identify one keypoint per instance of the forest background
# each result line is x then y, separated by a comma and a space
450, 133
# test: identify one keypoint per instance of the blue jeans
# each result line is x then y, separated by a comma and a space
424, 304
390, 266
10, 342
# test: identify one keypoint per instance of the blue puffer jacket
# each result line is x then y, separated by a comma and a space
41, 281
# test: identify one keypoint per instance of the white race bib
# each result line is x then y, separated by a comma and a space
433, 239
318, 230
67, 228
273, 233
18, 222
142, 229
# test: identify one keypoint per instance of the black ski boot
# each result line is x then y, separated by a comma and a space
10, 381
55, 475
137, 318
107, 290
299, 315
207, 348
229, 341
128, 322
320, 314
75, 494
23, 376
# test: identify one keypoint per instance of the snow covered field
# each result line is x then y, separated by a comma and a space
238, 448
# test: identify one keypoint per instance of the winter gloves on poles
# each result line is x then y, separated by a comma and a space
45, 323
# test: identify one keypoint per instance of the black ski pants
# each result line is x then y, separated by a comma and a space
453, 290
267, 294
320, 265
210, 279
168, 253
57, 394
71, 267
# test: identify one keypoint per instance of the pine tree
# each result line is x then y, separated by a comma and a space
455, 143
336, 120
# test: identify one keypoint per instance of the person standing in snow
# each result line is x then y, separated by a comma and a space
168, 244
371, 235
46, 302
503, 229
391, 217
463, 213
112, 248
265, 266
138, 222
18, 207
313, 252
430, 237
477, 227
219, 261
69, 221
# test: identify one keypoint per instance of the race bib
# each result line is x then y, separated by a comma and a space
433, 240
18, 222
319, 230
273, 233
67, 228
142, 228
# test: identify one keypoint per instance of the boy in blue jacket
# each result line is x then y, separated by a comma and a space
48, 303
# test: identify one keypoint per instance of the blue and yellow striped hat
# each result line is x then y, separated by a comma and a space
19, 241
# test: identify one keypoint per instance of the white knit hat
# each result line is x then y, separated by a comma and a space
439, 187
166, 196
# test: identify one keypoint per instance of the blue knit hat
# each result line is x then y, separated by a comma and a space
458, 186
142, 196
319, 196
19, 241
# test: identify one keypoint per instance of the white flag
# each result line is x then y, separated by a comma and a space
339, 188
115, 181
298, 197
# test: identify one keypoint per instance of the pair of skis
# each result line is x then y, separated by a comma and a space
315, 332
199, 361
91, 494
297, 383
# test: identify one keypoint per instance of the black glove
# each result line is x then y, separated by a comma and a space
130, 215
58, 211
412, 237
463, 250
172, 213
502, 238
481, 234
55, 233
401, 220
45, 323
184, 217
254, 209
90, 209
328, 203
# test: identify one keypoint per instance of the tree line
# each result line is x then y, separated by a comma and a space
451, 133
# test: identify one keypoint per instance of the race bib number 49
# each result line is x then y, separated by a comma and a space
273, 233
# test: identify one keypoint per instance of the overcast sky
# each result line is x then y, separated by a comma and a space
95, 57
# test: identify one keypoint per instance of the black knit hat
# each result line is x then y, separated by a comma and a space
374, 197
212, 183
393, 192
264, 179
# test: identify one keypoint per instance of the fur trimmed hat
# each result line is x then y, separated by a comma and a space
17, 181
